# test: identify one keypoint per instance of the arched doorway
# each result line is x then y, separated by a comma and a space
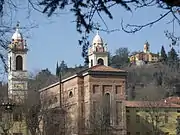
19, 63
100, 61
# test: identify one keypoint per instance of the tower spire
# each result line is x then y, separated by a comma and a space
97, 32
17, 25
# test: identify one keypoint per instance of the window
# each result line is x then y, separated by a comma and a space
70, 94
94, 108
100, 61
137, 110
106, 109
10, 64
127, 110
178, 111
118, 90
17, 116
95, 88
91, 63
82, 108
55, 100
137, 119
128, 133
50, 102
19, 63
118, 112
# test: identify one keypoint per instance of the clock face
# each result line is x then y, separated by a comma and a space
18, 86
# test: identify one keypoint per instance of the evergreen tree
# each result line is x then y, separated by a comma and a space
63, 67
172, 55
57, 69
120, 59
163, 54
109, 59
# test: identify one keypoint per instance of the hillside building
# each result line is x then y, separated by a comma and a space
145, 56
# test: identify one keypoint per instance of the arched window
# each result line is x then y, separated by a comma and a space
19, 63
100, 61
55, 100
70, 94
91, 63
107, 109
10, 63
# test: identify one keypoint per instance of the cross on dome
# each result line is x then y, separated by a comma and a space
17, 35
97, 39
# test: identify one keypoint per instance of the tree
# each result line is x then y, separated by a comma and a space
7, 122
155, 115
43, 79
99, 120
163, 54
120, 59
32, 109
85, 13
85, 19
172, 55
63, 66
57, 69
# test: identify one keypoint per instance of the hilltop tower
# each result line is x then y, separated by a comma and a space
17, 70
98, 52
146, 47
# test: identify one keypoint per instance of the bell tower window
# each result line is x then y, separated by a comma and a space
100, 61
91, 63
19, 63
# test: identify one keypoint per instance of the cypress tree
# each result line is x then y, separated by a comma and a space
172, 55
163, 54
57, 69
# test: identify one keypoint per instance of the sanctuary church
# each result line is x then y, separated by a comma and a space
91, 99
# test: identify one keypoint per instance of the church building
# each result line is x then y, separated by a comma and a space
92, 98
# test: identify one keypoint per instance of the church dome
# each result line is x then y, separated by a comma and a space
17, 35
97, 40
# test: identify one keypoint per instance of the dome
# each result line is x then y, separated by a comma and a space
97, 40
17, 35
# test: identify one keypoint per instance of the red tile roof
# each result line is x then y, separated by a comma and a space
175, 100
148, 104
105, 68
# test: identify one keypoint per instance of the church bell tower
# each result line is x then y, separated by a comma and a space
17, 70
98, 52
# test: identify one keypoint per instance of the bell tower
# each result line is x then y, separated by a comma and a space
17, 70
97, 53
